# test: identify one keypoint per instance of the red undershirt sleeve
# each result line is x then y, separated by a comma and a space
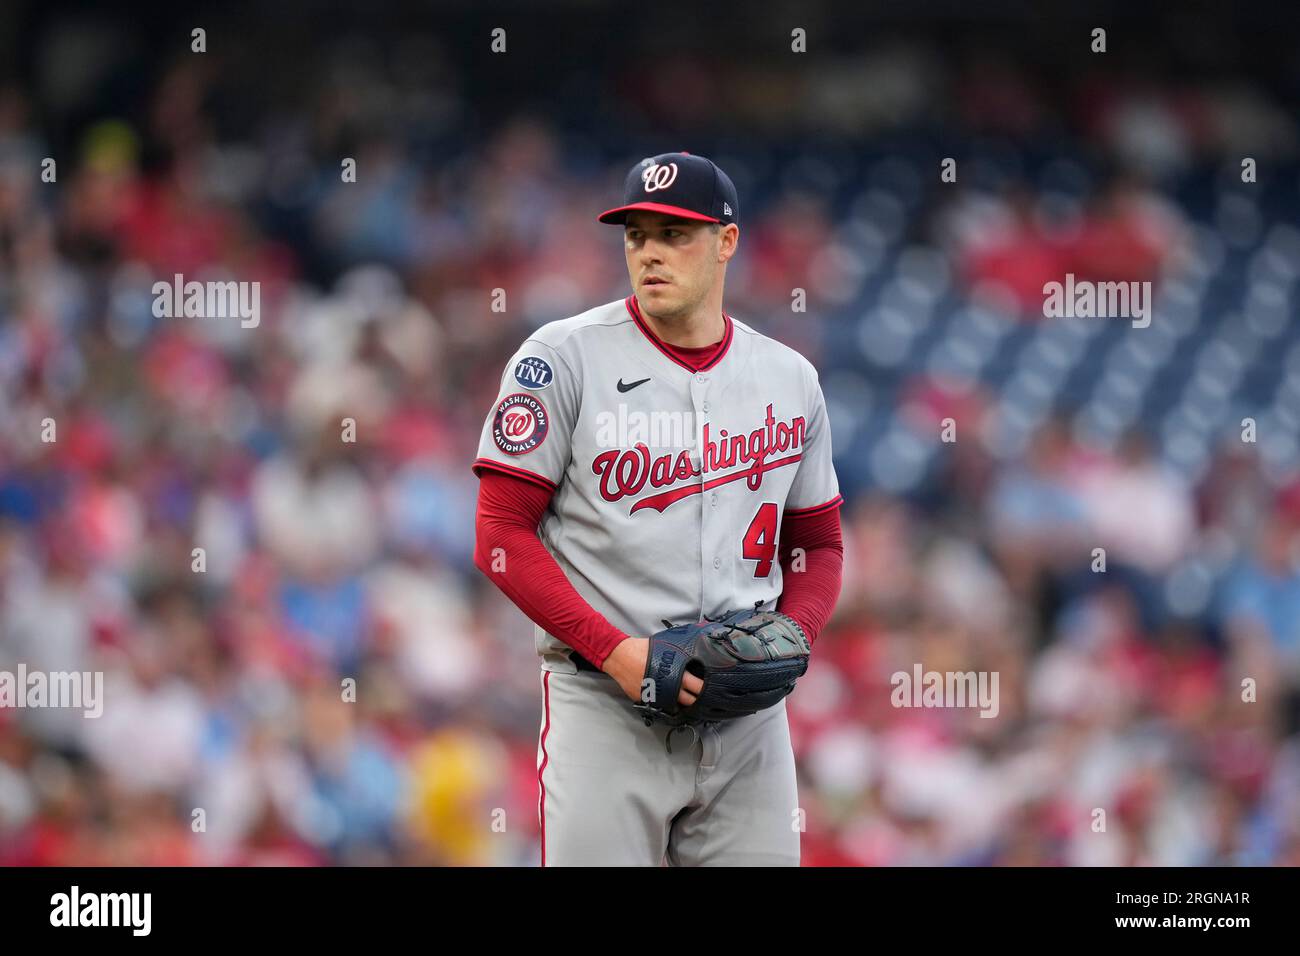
809, 595
509, 552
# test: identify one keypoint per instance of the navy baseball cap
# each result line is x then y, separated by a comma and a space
678, 184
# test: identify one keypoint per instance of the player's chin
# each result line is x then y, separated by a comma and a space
666, 295
654, 300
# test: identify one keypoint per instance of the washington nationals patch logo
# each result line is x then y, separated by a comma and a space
656, 177
520, 424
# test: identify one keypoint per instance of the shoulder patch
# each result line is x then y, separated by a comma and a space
520, 423
533, 372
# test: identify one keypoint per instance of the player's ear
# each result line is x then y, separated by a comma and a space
728, 238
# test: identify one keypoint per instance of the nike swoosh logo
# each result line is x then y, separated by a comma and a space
630, 385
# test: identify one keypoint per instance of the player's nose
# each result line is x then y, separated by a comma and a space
650, 252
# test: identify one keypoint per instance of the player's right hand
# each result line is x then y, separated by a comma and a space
626, 664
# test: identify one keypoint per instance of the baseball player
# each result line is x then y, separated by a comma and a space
657, 495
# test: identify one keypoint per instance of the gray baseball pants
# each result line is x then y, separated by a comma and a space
614, 792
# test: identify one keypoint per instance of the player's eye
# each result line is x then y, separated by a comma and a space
672, 233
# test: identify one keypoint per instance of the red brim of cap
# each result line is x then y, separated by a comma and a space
617, 216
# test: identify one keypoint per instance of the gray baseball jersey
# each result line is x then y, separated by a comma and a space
670, 483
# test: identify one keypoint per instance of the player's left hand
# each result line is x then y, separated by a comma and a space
691, 687
743, 662
627, 662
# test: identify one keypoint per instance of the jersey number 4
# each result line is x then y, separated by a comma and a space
760, 539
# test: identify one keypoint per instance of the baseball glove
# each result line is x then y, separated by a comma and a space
748, 660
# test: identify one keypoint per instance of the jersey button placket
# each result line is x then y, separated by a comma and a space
708, 562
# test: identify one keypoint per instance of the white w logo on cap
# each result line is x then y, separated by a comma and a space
658, 177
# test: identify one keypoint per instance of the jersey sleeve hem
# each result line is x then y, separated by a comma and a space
816, 509
525, 474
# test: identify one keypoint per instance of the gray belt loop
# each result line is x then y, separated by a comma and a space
695, 736
712, 740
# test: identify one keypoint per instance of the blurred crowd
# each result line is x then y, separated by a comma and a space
330, 681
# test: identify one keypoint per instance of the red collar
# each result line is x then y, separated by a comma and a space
634, 310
